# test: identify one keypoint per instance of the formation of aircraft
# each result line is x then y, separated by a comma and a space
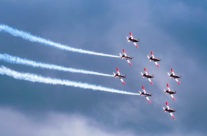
151, 58
124, 56
173, 75
118, 75
144, 93
147, 75
170, 111
132, 39
170, 92
155, 60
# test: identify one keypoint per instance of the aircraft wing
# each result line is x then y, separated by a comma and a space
171, 114
150, 81
172, 97
124, 52
131, 35
117, 69
129, 62
172, 70
177, 81
168, 87
136, 45
143, 89
145, 70
152, 54
168, 107
156, 63
148, 99
123, 81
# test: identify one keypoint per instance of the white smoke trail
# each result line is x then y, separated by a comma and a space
18, 60
46, 80
32, 38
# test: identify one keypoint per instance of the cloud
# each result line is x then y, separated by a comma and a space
53, 124
15, 123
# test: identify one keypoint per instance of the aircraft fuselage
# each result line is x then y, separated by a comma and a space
174, 76
127, 57
170, 92
146, 94
120, 76
133, 40
148, 76
154, 59
169, 110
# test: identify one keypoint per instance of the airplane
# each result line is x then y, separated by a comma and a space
144, 93
146, 75
124, 56
131, 39
170, 111
173, 75
155, 60
170, 92
118, 75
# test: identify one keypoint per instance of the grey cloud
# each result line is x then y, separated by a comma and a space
54, 124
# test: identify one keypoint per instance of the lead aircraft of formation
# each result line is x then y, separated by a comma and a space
132, 39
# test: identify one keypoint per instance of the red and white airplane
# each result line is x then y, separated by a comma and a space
155, 60
131, 39
173, 75
170, 92
144, 93
170, 111
118, 75
146, 75
124, 56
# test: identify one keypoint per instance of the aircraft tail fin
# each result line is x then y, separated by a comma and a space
127, 39
114, 74
148, 57
168, 74
120, 55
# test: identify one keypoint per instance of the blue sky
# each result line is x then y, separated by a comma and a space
174, 30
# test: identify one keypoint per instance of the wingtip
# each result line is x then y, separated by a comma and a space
152, 53
173, 117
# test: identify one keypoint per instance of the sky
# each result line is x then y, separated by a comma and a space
173, 30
